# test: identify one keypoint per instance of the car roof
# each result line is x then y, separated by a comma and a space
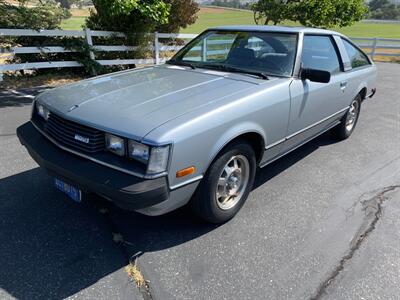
288, 29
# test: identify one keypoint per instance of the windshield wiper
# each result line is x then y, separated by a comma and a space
226, 68
220, 67
180, 63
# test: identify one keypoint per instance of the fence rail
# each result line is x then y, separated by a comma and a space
157, 48
373, 46
379, 46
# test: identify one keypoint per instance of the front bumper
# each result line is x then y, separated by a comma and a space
126, 191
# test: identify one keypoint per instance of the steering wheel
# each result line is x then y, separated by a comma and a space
272, 65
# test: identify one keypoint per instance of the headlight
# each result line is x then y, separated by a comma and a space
115, 144
42, 111
138, 151
155, 158
158, 160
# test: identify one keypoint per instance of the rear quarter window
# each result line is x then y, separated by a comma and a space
357, 58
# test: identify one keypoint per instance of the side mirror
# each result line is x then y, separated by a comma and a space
316, 75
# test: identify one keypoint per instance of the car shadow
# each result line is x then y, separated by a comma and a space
53, 248
148, 234
285, 162
19, 97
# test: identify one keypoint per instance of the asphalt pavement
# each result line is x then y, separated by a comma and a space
321, 223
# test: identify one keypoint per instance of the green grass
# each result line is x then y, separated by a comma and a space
73, 23
218, 17
391, 30
209, 17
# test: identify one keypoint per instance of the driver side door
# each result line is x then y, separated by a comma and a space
315, 107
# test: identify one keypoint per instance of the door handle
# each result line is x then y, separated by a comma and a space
343, 85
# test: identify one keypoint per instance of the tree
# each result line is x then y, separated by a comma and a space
136, 16
274, 11
48, 15
376, 4
329, 13
182, 13
314, 13
383, 9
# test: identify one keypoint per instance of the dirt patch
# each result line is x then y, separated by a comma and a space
387, 58
212, 10
384, 58
133, 271
79, 12
15, 82
3, 59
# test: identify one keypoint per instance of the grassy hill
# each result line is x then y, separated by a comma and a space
211, 16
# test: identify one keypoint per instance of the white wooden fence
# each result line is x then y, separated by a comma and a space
157, 48
374, 46
379, 46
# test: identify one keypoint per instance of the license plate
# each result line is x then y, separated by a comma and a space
71, 191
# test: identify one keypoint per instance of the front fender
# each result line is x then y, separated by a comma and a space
232, 133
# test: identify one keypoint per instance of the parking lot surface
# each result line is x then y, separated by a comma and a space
322, 222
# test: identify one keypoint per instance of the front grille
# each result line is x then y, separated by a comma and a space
68, 133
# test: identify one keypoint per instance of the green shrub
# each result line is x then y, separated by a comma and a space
182, 13
48, 15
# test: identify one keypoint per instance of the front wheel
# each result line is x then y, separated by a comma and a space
227, 184
349, 120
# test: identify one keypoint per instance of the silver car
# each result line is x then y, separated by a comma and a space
194, 131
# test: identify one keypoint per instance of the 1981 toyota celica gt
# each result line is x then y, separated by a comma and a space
195, 129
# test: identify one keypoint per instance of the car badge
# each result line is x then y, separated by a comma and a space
81, 138
73, 107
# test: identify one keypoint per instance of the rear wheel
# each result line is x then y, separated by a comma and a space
349, 120
227, 184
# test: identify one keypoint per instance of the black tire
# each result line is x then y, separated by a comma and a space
342, 131
204, 202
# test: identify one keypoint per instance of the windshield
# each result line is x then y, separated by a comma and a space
262, 53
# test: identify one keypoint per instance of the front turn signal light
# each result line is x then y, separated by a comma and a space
185, 172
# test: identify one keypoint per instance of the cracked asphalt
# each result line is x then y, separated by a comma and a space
305, 232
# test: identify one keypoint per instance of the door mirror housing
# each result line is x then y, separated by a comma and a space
316, 75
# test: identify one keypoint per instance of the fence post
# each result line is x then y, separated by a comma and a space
156, 49
204, 50
374, 43
89, 41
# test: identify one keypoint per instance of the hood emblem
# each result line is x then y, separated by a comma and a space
73, 107
81, 138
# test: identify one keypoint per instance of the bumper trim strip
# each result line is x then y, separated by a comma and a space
191, 180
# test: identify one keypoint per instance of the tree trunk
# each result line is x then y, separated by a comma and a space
255, 18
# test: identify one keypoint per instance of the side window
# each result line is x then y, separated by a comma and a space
320, 53
357, 58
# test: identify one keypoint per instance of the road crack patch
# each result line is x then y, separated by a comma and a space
372, 208
132, 268
137, 276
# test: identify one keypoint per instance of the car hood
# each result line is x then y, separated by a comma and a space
132, 103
